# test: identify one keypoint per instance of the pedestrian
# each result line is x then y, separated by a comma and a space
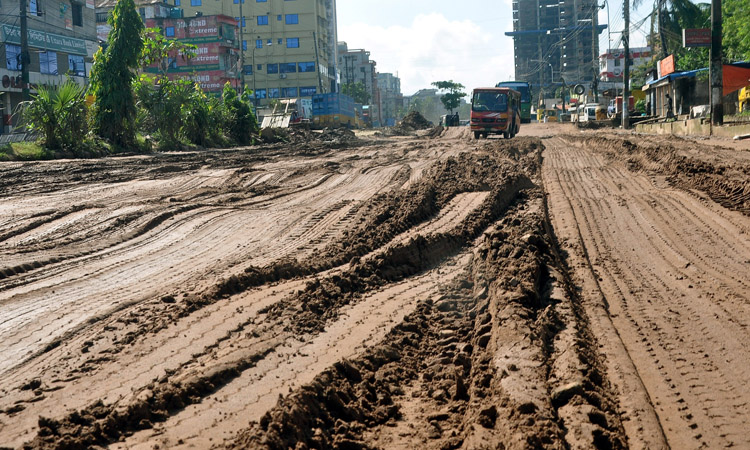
670, 112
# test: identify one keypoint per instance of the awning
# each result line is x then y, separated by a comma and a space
735, 76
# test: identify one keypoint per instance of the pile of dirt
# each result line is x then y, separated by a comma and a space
328, 137
412, 122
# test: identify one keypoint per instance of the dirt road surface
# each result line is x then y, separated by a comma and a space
564, 289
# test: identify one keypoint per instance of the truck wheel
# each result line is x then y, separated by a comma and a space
506, 135
476, 135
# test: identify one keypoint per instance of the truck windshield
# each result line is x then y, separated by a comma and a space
489, 101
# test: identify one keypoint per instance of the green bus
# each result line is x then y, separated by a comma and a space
525, 89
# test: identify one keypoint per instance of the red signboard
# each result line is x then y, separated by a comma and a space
210, 81
666, 66
696, 37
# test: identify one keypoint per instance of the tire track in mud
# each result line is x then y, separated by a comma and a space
399, 255
471, 368
660, 256
233, 227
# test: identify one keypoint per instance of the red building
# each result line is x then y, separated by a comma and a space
217, 56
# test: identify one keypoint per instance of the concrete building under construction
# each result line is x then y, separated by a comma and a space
555, 42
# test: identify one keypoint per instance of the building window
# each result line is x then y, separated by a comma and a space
77, 10
76, 65
196, 3
292, 42
48, 62
273, 93
248, 69
307, 91
35, 7
13, 57
272, 68
259, 43
261, 1
259, 67
278, 17
236, 2
262, 20
169, 32
617, 63
288, 67
237, 19
289, 92
177, 2
244, 44
306, 67
260, 93
280, 41
292, 19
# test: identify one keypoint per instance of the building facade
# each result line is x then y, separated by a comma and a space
555, 41
391, 98
355, 67
62, 41
217, 56
288, 47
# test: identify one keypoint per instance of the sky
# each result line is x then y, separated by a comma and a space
422, 41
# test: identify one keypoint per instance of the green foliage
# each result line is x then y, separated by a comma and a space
157, 49
640, 106
58, 113
452, 98
238, 116
203, 118
356, 91
736, 29
163, 101
24, 151
114, 112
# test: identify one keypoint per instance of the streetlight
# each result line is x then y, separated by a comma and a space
242, 50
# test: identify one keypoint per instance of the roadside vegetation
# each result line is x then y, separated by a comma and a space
128, 109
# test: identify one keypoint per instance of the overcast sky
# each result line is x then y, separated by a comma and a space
435, 40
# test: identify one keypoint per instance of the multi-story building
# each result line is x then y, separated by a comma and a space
357, 67
555, 40
216, 60
62, 41
611, 64
288, 48
391, 98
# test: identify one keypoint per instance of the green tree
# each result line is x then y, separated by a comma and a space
453, 93
356, 91
112, 76
736, 29
157, 49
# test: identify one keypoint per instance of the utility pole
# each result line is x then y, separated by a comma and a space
594, 56
717, 84
242, 53
626, 69
24, 54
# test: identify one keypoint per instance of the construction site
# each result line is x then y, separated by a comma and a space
416, 288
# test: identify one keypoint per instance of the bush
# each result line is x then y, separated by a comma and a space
240, 120
59, 114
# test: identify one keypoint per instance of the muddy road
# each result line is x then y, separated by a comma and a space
560, 290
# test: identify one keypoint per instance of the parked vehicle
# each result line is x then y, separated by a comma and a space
587, 112
333, 109
744, 96
615, 106
495, 111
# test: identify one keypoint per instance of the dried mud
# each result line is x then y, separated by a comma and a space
330, 291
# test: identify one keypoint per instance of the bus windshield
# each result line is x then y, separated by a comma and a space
521, 87
489, 101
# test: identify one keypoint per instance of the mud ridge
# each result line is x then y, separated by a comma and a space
444, 357
726, 184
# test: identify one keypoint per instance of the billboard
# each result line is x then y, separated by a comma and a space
696, 37
666, 66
